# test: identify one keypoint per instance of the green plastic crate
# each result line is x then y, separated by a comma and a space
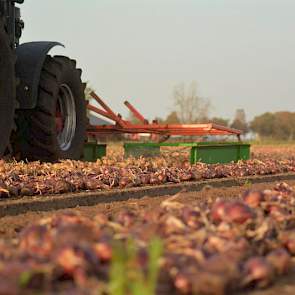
94, 151
206, 152
220, 152
150, 149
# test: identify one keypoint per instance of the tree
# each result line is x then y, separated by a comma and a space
279, 125
159, 120
190, 107
172, 118
284, 127
264, 125
240, 121
220, 121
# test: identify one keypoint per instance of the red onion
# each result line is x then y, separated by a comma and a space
258, 271
238, 212
280, 260
253, 198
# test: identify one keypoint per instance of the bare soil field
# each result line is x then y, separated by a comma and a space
274, 151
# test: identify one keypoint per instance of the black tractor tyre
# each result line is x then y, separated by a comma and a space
61, 107
7, 89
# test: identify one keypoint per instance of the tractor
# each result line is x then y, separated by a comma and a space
42, 102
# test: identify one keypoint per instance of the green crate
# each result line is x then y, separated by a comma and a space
220, 153
206, 152
94, 151
150, 149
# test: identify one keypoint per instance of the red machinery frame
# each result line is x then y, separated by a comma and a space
123, 126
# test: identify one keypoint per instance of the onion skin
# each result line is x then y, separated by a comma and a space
280, 259
278, 213
218, 211
231, 211
182, 284
103, 251
259, 272
238, 212
253, 198
291, 246
69, 260
287, 239
36, 240
207, 246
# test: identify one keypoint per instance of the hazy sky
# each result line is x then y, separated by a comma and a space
241, 52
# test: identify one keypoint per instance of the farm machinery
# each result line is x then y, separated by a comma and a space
42, 103
43, 111
163, 131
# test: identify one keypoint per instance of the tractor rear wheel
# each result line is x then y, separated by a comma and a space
56, 128
7, 89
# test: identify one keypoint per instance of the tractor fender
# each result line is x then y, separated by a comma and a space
29, 64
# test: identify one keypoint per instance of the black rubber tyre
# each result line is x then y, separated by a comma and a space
38, 134
7, 89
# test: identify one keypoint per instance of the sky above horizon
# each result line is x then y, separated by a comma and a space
241, 52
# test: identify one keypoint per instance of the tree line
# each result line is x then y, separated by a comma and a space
189, 107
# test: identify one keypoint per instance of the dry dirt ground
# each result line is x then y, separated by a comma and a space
11, 226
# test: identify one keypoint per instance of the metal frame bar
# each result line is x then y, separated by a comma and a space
108, 110
136, 113
123, 126
100, 112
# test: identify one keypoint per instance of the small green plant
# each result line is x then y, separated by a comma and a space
128, 276
247, 183
25, 278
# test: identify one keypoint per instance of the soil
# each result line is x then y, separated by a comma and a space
10, 226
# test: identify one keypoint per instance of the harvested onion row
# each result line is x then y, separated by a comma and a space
21, 179
210, 247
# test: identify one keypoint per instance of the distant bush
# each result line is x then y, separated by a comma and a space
278, 126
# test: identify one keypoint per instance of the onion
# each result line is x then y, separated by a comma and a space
238, 212
36, 240
253, 198
258, 271
280, 260
103, 251
218, 211
182, 284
